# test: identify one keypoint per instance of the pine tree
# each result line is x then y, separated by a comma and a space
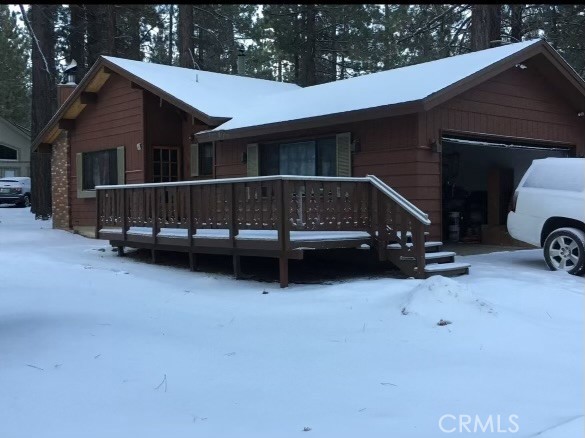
14, 71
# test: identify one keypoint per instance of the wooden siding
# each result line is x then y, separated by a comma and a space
163, 126
116, 119
387, 149
516, 103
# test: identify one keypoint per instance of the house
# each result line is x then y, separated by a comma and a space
452, 136
14, 150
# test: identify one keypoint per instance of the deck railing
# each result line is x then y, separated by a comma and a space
282, 203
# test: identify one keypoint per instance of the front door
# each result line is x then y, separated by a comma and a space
166, 164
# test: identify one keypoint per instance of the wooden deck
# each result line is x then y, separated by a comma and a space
275, 216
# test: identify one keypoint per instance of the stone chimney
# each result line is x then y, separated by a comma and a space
65, 89
241, 61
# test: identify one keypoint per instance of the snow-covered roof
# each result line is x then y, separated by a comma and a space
389, 87
214, 94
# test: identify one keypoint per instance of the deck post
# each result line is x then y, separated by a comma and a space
192, 261
233, 231
381, 221
154, 224
283, 271
418, 240
97, 211
192, 256
283, 233
124, 215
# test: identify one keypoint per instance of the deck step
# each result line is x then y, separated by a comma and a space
429, 246
440, 257
447, 269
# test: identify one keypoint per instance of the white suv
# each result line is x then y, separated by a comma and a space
548, 210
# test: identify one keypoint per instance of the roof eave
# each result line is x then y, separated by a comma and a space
65, 106
205, 118
403, 108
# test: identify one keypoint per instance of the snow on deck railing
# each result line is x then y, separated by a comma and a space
236, 180
374, 180
399, 199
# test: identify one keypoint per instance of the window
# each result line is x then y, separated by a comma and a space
105, 167
99, 168
206, 159
202, 159
313, 158
7, 153
165, 163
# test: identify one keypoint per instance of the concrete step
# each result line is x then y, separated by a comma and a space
440, 257
447, 269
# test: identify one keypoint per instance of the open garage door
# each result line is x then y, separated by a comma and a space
479, 178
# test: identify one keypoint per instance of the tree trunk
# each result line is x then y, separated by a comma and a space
44, 80
516, 22
133, 30
495, 25
95, 31
77, 39
387, 36
171, 14
101, 31
186, 30
109, 46
486, 23
308, 56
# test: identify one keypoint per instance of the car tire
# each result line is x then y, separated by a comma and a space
564, 249
25, 201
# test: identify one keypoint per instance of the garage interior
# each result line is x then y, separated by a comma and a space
478, 180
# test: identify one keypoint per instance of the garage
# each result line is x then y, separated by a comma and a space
479, 176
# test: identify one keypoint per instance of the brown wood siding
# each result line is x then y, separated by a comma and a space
387, 149
116, 119
163, 124
374, 136
516, 103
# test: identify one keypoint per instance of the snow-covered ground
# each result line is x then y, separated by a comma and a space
93, 345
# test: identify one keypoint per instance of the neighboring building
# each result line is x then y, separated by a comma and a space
14, 150
454, 134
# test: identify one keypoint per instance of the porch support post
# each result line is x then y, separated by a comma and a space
284, 233
233, 229
418, 239
154, 224
192, 256
381, 220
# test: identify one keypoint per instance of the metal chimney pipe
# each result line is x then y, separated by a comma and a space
241, 61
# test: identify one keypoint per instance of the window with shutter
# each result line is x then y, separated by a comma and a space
343, 154
325, 156
252, 159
